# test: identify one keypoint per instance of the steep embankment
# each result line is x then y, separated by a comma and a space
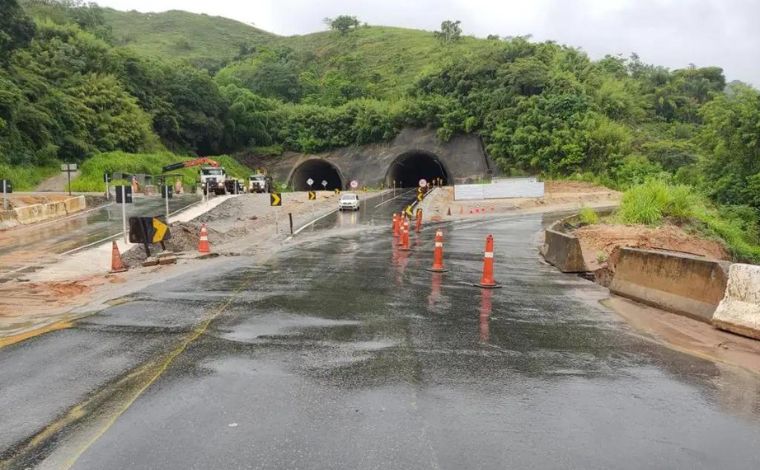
206, 41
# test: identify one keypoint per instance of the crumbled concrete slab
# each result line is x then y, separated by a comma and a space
739, 311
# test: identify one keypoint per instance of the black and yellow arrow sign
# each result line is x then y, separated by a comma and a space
408, 211
275, 199
420, 197
160, 230
337, 191
312, 195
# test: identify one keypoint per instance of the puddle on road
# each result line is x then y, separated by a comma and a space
275, 324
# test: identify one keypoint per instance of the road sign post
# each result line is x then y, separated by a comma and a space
7, 189
106, 180
124, 197
166, 193
69, 168
149, 230
275, 200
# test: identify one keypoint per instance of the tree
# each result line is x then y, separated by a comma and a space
16, 28
450, 32
343, 23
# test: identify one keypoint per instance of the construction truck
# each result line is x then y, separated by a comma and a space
259, 183
212, 177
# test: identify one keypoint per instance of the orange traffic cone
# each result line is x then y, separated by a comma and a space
438, 254
397, 225
116, 264
203, 245
487, 281
418, 223
394, 225
400, 236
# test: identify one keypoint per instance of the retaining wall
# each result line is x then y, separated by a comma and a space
563, 251
40, 212
680, 283
739, 311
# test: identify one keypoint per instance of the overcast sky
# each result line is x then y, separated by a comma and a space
673, 33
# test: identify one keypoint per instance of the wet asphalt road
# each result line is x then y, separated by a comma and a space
342, 352
25, 246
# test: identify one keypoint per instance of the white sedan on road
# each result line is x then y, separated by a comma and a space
348, 201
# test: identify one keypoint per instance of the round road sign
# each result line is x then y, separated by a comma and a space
354, 184
423, 183
309, 181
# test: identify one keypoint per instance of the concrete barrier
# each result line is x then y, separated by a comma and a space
563, 251
75, 204
739, 311
40, 212
684, 284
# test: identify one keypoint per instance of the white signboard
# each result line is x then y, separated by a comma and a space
501, 189
423, 183
354, 184
309, 181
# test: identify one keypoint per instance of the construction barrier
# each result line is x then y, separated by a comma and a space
739, 310
685, 284
563, 251
500, 189
41, 212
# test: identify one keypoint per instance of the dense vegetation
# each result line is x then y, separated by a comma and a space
77, 81
655, 202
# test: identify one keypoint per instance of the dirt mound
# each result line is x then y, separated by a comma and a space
185, 237
230, 208
600, 242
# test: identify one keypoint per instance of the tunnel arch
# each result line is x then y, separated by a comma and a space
410, 167
318, 170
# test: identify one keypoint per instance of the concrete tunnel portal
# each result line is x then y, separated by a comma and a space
408, 169
318, 170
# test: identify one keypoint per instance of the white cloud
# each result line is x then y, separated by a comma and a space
672, 33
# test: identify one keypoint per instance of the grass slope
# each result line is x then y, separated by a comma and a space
395, 55
206, 41
91, 177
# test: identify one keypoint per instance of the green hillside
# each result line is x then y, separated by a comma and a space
206, 41
392, 58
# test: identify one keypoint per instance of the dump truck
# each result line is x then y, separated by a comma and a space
211, 176
259, 183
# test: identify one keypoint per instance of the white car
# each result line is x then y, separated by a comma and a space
348, 201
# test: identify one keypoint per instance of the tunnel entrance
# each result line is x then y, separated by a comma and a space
408, 169
318, 170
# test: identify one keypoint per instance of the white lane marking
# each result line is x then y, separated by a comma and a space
391, 199
311, 223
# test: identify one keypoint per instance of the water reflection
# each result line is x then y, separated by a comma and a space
435, 291
485, 314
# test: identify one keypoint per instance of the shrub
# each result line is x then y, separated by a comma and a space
91, 177
588, 216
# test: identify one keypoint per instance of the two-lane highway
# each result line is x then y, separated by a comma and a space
344, 352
